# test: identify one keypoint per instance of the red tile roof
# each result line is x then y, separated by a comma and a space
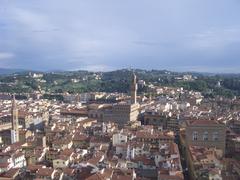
203, 122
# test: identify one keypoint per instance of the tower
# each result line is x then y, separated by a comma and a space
134, 89
14, 130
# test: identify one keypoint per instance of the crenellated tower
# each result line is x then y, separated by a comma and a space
134, 89
14, 130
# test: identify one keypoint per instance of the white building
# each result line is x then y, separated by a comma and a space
119, 138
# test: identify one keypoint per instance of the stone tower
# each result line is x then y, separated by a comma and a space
14, 130
133, 89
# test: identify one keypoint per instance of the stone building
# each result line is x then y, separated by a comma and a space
206, 133
121, 113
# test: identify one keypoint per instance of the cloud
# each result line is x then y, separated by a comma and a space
96, 68
215, 38
109, 35
31, 19
6, 55
207, 69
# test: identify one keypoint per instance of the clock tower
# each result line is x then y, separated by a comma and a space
14, 130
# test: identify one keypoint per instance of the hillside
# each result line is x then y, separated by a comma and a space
116, 81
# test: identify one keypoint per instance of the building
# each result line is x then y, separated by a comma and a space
206, 133
205, 163
166, 120
119, 138
121, 113
155, 118
234, 125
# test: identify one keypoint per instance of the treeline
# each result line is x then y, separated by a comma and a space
119, 81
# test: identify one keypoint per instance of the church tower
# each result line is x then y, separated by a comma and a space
134, 89
14, 130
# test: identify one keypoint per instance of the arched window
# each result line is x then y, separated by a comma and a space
195, 136
205, 136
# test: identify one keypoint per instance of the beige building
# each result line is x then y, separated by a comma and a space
122, 113
61, 162
206, 133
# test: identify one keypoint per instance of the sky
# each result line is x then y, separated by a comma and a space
104, 35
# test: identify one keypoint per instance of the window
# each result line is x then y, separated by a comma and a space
215, 136
195, 136
205, 136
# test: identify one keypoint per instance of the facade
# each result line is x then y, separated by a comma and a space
206, 133
122, 113
166, 120
119, 138
61, 162
156, 119
25, 120
234, 125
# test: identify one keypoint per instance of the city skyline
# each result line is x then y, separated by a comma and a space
103, 36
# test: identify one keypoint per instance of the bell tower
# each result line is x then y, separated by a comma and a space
133, 89
14, 130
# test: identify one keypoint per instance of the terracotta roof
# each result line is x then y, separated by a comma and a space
62, 157
22, 114
18, 154
122, 177
4, 165
122, 174
96, 176
12, 173
34, 168
155, 135
95, 159
67, 152
45, 172
203, 122
69, 171
15, 146
145, 160
80, 137
85, 172
165, 177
